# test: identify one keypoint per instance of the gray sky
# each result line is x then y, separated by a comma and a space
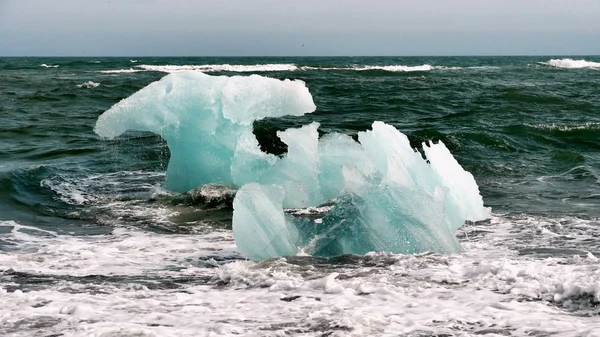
324, 27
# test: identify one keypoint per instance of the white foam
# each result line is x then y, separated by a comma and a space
286, 67
401, 68
492, 289
572, 64
49, 66
467, 68
120, 71
125, 252
97, 188
219, 67
323, 68
120, 198
88, 85
213, 192
309, 210
395, 68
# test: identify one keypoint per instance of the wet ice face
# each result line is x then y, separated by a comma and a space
386, 196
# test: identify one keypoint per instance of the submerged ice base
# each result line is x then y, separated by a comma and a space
386, 197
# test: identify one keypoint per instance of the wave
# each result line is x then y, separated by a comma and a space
395, 68
88, 85
220, 67
572, 64
463, 68
49, 66
120, 71
140, 272
392, 68
287, 67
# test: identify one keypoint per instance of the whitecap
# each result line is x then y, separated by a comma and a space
88, 85
322, 68
395, 68
49, 66
220, 67
120, 71
572, 64
468, 67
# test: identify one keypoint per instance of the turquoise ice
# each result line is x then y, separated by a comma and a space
202, 118
384, 195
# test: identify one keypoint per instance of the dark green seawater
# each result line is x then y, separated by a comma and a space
92, 244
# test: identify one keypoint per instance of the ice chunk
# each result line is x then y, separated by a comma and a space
388, 198
202, 118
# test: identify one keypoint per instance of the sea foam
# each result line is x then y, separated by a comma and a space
571, 63
240, 68
88, 85
385, 195
220, 67
396, 68
121, 71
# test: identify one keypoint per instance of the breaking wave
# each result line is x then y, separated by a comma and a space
120, 71
239, 68
572, 64
396, 68
88, 85
219, 67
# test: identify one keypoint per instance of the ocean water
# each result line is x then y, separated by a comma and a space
91, 244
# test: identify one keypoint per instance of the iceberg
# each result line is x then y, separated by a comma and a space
384, 195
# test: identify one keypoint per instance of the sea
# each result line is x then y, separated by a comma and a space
92, 244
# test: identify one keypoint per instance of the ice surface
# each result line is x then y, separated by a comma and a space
255, 237
202, 118
386, 196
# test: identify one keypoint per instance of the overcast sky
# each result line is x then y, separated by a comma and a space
298, 27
